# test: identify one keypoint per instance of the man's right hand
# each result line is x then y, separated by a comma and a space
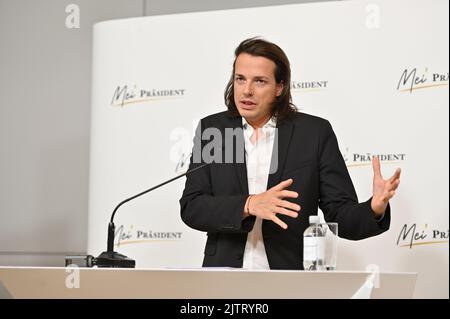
270, 203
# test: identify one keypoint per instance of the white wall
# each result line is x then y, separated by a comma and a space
45, 81
45, 126
157, 7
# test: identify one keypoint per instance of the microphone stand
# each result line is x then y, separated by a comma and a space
113, 259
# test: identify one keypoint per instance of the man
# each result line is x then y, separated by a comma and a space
255, 211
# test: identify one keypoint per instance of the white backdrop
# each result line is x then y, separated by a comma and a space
155, 77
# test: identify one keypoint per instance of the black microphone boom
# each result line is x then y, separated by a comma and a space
112, 259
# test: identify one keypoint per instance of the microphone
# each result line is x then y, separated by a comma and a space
113, 259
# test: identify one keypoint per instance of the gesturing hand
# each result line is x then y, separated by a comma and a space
383, 190
270, 203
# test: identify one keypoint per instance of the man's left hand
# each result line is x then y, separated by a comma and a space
383, 190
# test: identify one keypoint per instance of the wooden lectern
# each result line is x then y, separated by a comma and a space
203, 283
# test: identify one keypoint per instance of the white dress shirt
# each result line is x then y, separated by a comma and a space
258, 153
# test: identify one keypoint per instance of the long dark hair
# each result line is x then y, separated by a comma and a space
283, 106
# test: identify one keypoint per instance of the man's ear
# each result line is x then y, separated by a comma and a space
280, 87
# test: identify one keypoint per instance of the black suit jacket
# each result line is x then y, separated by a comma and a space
214, 196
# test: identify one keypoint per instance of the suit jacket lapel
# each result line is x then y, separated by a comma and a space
283, 137
240, 168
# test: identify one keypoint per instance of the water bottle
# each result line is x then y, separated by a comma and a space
314, 245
